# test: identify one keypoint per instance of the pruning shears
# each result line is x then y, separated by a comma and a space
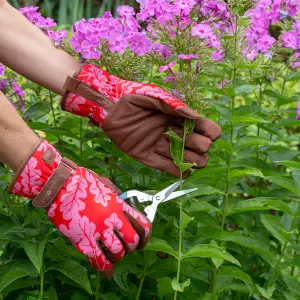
160, 197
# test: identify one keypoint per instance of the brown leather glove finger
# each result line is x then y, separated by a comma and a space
194, 141
201, 159
208, 128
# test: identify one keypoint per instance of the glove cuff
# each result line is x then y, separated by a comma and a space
42, 174
87, 93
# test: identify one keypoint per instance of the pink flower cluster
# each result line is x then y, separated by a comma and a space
265, 13
45, 24
11, 88
121, 33
298, 112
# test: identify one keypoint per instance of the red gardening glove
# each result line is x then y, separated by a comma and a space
82, 205
136, 117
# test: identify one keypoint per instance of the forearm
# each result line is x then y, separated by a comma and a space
28, 51
16, 138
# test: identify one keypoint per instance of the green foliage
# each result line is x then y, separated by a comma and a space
239, 231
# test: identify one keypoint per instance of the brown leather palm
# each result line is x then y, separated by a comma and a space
137, 125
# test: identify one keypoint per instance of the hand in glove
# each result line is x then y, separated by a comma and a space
136, 116
82, 205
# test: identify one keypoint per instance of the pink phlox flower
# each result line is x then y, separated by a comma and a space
223, 83
125, 11
250, 54
2, 70
218, 55
291, 40
214, 41
166, 12
89, 50
184, 6
27, 9
167, 67
140, 44
117, 43
298, 111
295, 65
169, 78
110, 26
188, 56
202, 31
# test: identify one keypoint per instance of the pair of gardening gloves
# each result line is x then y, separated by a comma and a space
84, 206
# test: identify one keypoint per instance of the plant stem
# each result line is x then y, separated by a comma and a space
292, 225
81, 135
53, 113
141, 283
52, 108
229, 161
180, 219
97, 296
213, 281
41, 284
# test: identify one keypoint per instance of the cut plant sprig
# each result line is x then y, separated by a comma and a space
177, 152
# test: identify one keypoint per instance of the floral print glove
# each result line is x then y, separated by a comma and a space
82, 205
136, 116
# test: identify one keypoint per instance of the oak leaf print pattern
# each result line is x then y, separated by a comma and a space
101, 192
72, 201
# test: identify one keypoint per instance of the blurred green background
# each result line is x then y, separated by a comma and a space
68, 11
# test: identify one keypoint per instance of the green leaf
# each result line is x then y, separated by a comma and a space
222, 145
201, 206
216, 261
272, 225
57, 250
252, 141
245, 172
122, 272
234, 237
292, 283
291, 164
281, 100
179, 287
160, 245
245, 89
258, 204
35, 252
51, 293
184, 220
283, 182
234, 272
208, 171
10, 277
293, 76
210, 251
248, 119
296, 247
57, 131
130, 170
73, 270
164, 287
296, 177
175, 147
267, 293
205, 190
186, 166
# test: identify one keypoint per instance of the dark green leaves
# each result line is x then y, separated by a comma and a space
160, 245
74, 271
210, 251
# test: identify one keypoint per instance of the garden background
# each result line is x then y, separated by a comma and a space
237, 237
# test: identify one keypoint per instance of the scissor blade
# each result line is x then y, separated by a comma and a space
165, 193
142, 197
179, 193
